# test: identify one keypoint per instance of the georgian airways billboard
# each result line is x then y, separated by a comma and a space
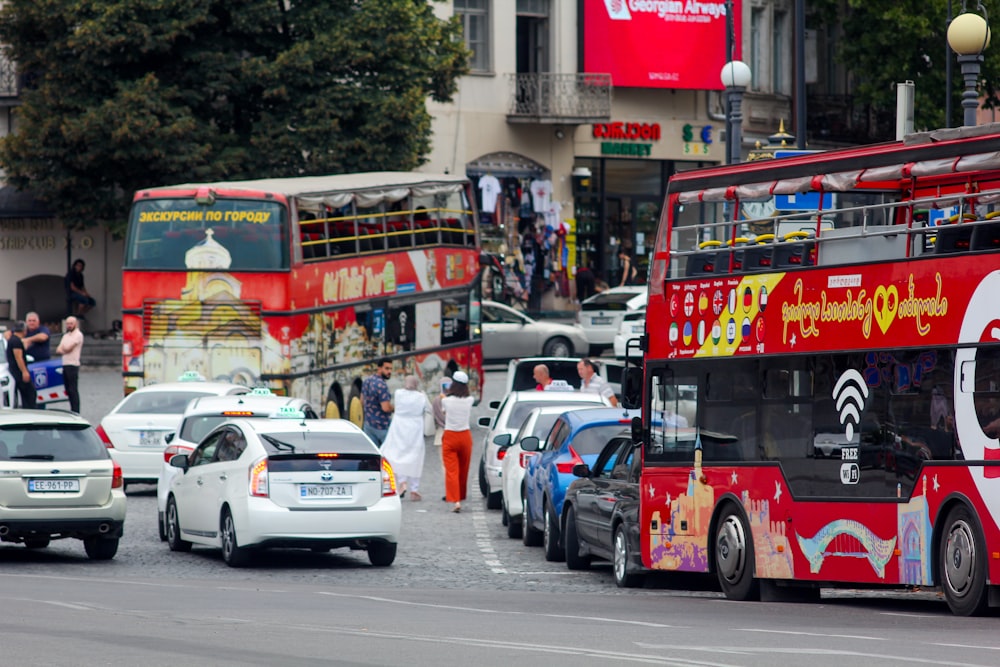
658, 43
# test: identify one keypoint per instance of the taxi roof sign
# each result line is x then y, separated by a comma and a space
288, 412
191, 376
261, 391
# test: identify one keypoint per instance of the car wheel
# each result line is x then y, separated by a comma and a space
100, 548
557, 347
504, 518
734, 560
514, 526
232, 553
174, 540
494, 501
37, 542
621, 559
963, 564
161, 525
484, 486
381, 554
574, 560
530, 536
550, 537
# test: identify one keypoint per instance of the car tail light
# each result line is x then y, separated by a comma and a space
103, 435
388, 479
173, 450
566, 467
258, 478
501, 453
117, 481
524, 458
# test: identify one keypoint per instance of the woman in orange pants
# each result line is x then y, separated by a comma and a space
456, 442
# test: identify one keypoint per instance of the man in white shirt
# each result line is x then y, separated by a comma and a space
592, 383
70, 347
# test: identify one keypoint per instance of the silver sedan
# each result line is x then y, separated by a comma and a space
508, 333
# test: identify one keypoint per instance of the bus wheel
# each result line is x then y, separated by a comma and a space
963, 564
355, 409
331, 411
734, 560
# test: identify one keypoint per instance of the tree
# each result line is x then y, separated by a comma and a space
119, 96
884, 42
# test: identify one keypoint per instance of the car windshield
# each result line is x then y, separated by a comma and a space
55, 442
521, 409
159, 402
541, 427
197, 427
591, 440
609, 301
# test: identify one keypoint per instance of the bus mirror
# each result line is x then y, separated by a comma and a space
632, 388
637, 435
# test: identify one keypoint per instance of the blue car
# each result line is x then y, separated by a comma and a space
577, 437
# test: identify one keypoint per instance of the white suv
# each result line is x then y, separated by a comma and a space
600, 316
58, 481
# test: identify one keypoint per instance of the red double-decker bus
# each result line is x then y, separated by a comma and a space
822, 372
300, 284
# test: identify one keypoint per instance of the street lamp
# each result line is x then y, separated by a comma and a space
968, 36
735, 78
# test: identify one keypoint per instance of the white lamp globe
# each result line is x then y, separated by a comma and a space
968, 34
736, 73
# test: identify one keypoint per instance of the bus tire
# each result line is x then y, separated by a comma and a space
331, 411
963, 563
734, 558
355, 408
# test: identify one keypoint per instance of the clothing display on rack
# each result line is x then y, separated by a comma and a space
490, 188
541, 195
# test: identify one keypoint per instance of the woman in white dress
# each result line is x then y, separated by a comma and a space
404, 442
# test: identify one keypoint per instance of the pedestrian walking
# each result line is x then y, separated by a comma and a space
404, 442
17, 365
70, 347
456, 441
377, 402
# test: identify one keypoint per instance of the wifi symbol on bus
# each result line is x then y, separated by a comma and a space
850, 395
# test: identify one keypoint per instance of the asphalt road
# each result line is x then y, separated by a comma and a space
460, 592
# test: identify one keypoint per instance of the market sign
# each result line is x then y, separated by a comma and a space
627, 132
626, 39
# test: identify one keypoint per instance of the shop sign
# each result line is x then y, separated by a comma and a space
627, 132
699, 145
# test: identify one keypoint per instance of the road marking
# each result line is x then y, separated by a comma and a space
810, 634
485, 542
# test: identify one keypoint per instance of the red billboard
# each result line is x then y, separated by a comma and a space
658, 43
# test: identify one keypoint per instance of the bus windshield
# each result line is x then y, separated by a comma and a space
233, 234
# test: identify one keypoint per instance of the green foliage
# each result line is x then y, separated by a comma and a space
125, 95
883, 42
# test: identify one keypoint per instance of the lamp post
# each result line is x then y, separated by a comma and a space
735, 78
968, 36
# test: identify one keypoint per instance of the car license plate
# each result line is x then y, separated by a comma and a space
149, 439
47, 485
600, 321
324, 490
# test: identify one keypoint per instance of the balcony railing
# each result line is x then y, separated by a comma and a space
559, 98
9, 82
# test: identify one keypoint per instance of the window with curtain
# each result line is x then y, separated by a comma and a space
475, 16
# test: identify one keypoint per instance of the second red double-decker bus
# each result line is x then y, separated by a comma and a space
822, 372
299, 284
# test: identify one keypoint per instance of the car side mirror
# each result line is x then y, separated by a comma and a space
168, 438
485, 421
530, 444
503, 440
179, 461
581, 470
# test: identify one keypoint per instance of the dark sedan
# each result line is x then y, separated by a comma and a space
601, 512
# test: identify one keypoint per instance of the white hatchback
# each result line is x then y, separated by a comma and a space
135, 430
600, 316
284, 482
204, 414
514, 460
511, 413
633, 326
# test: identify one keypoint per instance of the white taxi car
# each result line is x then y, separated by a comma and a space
538, 424
58, 481
284, 482
204, 414
135, 430
511, 413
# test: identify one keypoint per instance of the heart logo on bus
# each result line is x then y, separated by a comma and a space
885, 303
